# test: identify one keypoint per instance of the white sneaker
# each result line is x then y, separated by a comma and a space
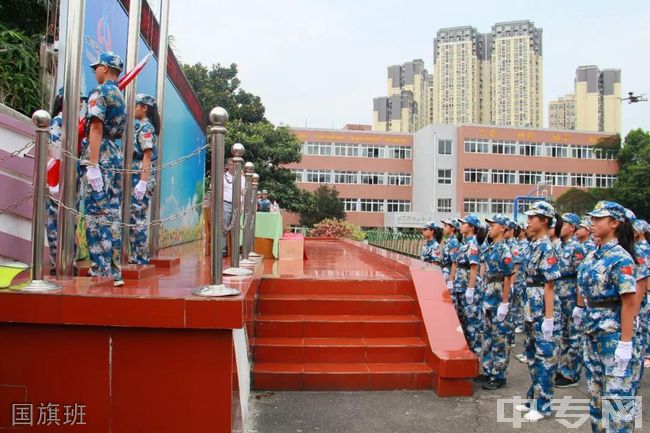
534, 416
522, 408
522, 358
519, 329
118, 283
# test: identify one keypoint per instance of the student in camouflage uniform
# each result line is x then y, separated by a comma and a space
145, 153
497, 278
510, 237
519, 286
541, 312
642, 274
431, 249
54, 153
642, 250
607, 284
451, 245
583, 235
102, 156
465, 277
571, 339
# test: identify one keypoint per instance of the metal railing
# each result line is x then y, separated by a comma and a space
409, 244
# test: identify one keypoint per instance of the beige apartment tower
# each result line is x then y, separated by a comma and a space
597, 99
458, 82
516, 80
406, 106
493, 78
562, 113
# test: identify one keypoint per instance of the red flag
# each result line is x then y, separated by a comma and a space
53, 172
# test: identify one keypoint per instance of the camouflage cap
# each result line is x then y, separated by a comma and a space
452, 222
110, 59
499, 219
471, 220
144, 99
608, 208
571, 218
541, 208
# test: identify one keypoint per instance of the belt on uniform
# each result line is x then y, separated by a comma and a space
226, 201
607, 303
568, 277
495, 279
463, 266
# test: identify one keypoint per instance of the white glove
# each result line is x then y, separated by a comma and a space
469, 295
450, 285
547, 329
577, 315
54, 190
502, 311
140, 189
94, 177
623, 354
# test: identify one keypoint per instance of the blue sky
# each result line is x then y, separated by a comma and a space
320, 63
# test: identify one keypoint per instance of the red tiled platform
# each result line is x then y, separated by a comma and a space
130, 353
129, 272
349, 317
358, 318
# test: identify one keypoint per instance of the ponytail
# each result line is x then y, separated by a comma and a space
625, 235
437, 234
57, 106
154, 117
647, 236
481, 234
558, 225
517, 231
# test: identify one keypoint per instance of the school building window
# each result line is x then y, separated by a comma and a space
444, 176
444, 205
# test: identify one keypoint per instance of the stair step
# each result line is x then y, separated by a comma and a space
339, 350
336, 376
330, 326
300, 286
336, 304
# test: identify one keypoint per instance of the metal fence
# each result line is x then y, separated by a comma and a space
409, 244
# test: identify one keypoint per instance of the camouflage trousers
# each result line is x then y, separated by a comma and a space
571, 341
103, 231
516, 312
610, 389
138, 235
640, 345
473, 318
52, 210
542, 358
496, 350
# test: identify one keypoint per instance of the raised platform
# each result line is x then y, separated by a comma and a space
349, 317
128, 354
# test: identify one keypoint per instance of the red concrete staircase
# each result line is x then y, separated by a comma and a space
339, 335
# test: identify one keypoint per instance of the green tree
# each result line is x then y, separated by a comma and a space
575, 200
632, 187
219, 86
22, 23
269, 147
324, 203
27, 16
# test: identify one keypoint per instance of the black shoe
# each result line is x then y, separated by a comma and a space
494, 384
53, 272
563, 382
481, 379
